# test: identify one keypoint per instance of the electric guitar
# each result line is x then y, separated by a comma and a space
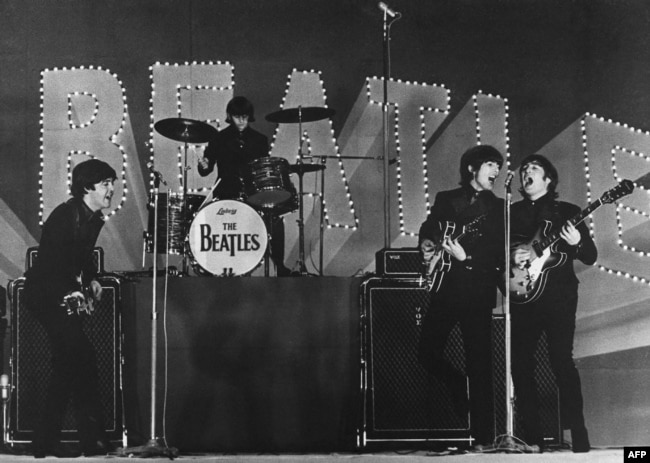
527, 283
435, 269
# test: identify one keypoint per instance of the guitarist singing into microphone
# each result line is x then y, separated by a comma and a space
58, 289
467, 292
554, 310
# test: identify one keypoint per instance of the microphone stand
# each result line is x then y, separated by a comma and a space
154, 447
384, 123
508, 442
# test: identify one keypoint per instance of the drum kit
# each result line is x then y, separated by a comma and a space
230, 237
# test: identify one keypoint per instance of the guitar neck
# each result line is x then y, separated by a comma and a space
575, 220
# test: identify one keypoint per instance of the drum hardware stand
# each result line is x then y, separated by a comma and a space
323, 160
185, 209
185, 131
268, 219
301, 209
155, 446
300, 115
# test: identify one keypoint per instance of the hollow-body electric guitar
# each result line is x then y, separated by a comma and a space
527, 283
435, 269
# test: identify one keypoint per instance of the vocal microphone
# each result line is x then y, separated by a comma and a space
386, 9
4, 387
157, 175
509, 176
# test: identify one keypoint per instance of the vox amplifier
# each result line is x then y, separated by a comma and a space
398, 263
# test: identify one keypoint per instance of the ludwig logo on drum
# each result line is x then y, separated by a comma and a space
228, 242
226, 211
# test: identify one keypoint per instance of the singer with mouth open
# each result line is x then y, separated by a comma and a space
59, 290
467, 293
554, 312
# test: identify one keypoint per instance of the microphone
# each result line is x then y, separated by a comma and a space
4, 388
386, 9
509, 176
157, 175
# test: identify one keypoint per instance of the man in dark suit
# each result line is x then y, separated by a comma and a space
467, 294
65, 268
554, 312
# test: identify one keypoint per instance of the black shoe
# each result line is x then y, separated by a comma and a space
580, 440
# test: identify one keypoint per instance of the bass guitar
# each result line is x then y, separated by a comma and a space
527, 283
80, 301
435, 269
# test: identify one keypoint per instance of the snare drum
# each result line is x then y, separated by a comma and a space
228, 238
268, 183
174, 217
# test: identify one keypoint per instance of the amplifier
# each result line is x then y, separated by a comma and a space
399, 263
98, 258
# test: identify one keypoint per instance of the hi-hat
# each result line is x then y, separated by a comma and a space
185, 130
295, 115
305, 168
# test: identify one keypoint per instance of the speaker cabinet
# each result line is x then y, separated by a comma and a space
31, 364
400, 401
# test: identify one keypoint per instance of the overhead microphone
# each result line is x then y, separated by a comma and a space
157, 175
386, 9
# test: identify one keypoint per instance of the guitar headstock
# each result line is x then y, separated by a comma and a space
622, 189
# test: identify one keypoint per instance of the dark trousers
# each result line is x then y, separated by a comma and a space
557, 317
74, 376
475, 321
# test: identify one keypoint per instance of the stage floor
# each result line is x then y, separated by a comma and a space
595, 456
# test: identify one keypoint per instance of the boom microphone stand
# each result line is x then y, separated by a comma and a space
386, 28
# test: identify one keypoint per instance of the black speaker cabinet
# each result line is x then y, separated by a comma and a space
31, 364
400, 402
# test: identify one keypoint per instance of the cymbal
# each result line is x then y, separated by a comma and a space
185, 130
295, 115
305, 168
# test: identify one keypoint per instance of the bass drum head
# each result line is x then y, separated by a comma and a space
228, 238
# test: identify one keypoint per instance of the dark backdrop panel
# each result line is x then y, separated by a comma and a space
255, 364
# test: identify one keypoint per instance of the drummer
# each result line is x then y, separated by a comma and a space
232, 149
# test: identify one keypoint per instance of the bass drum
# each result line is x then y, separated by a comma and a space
227, 238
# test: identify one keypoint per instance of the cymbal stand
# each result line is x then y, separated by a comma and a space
301, 211
323, 160
185, 210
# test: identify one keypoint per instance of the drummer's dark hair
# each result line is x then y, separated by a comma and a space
240, 106
86, 174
